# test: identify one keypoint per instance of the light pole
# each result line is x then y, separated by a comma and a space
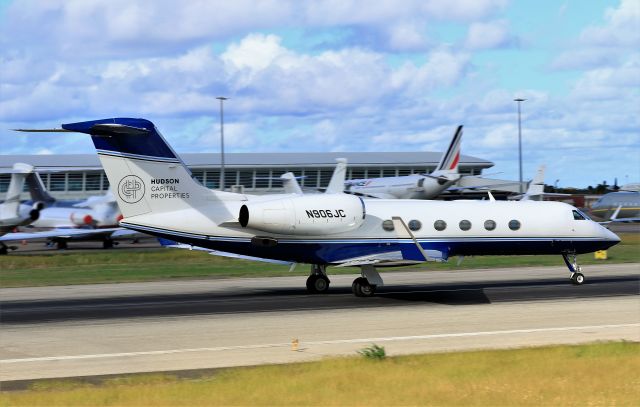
519, 100
222, 99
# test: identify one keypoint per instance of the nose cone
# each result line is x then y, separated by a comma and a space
610, 238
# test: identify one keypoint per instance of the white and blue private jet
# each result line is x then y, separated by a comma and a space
158, 195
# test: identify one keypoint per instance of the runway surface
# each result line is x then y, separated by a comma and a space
175, 325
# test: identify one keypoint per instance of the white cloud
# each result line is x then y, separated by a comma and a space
81, 29
442, 69
254, 52
607, 44
487, 35
407, 37
621, 27
617, 83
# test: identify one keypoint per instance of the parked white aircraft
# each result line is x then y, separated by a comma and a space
415, 186
97, 211
96, 218
535, 191
12, 214
157, 195
336, 183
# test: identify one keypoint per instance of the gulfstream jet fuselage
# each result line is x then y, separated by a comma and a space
158, 195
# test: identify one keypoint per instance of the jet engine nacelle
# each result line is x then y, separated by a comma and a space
81, 218
305, 215
34, 213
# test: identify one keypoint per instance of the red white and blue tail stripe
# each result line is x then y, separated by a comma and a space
451, 158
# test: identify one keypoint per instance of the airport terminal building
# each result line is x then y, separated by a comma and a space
77, 176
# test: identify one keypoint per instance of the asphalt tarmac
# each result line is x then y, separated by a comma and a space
179, 325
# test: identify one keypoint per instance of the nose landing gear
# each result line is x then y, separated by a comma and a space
576, 278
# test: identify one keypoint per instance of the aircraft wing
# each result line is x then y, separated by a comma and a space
122, 232
614, 218
378, 195
388, 259
59, 233
176, 245
623, 220
520, 197
473, 182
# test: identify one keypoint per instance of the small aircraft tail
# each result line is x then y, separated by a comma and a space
451, 158
536, 187
18, 176
145, 172
37, 189
11, 204
290, 184
336, 185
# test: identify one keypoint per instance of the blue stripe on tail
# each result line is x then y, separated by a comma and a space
139, 138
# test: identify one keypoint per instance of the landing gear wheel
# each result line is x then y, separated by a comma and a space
577, 278
61, 245
317, 284
362, 288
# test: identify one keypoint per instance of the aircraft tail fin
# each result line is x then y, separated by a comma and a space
146, 173
451, 158
37, 189
536, 187
11, 203
336, 184
290, 183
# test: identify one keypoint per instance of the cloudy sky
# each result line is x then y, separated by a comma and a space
336, 75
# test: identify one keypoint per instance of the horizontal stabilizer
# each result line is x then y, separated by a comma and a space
44, 130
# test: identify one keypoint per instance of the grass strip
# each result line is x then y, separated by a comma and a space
579, 375
55, 268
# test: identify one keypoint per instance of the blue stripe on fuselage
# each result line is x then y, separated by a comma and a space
325, 251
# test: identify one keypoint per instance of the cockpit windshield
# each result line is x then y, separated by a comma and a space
578, 215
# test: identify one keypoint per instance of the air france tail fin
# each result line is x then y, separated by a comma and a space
451, 158
144, 171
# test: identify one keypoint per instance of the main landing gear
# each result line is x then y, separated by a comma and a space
576, 278
366, 285
318, 282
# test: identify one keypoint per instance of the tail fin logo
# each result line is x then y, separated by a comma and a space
131, 189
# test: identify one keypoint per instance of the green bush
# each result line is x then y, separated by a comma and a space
373, 352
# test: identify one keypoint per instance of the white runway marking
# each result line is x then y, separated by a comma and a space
330, 342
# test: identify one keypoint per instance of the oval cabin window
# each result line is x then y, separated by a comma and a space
489, 224
514, 224
440, 225
465, 225
387, 225
415, 225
